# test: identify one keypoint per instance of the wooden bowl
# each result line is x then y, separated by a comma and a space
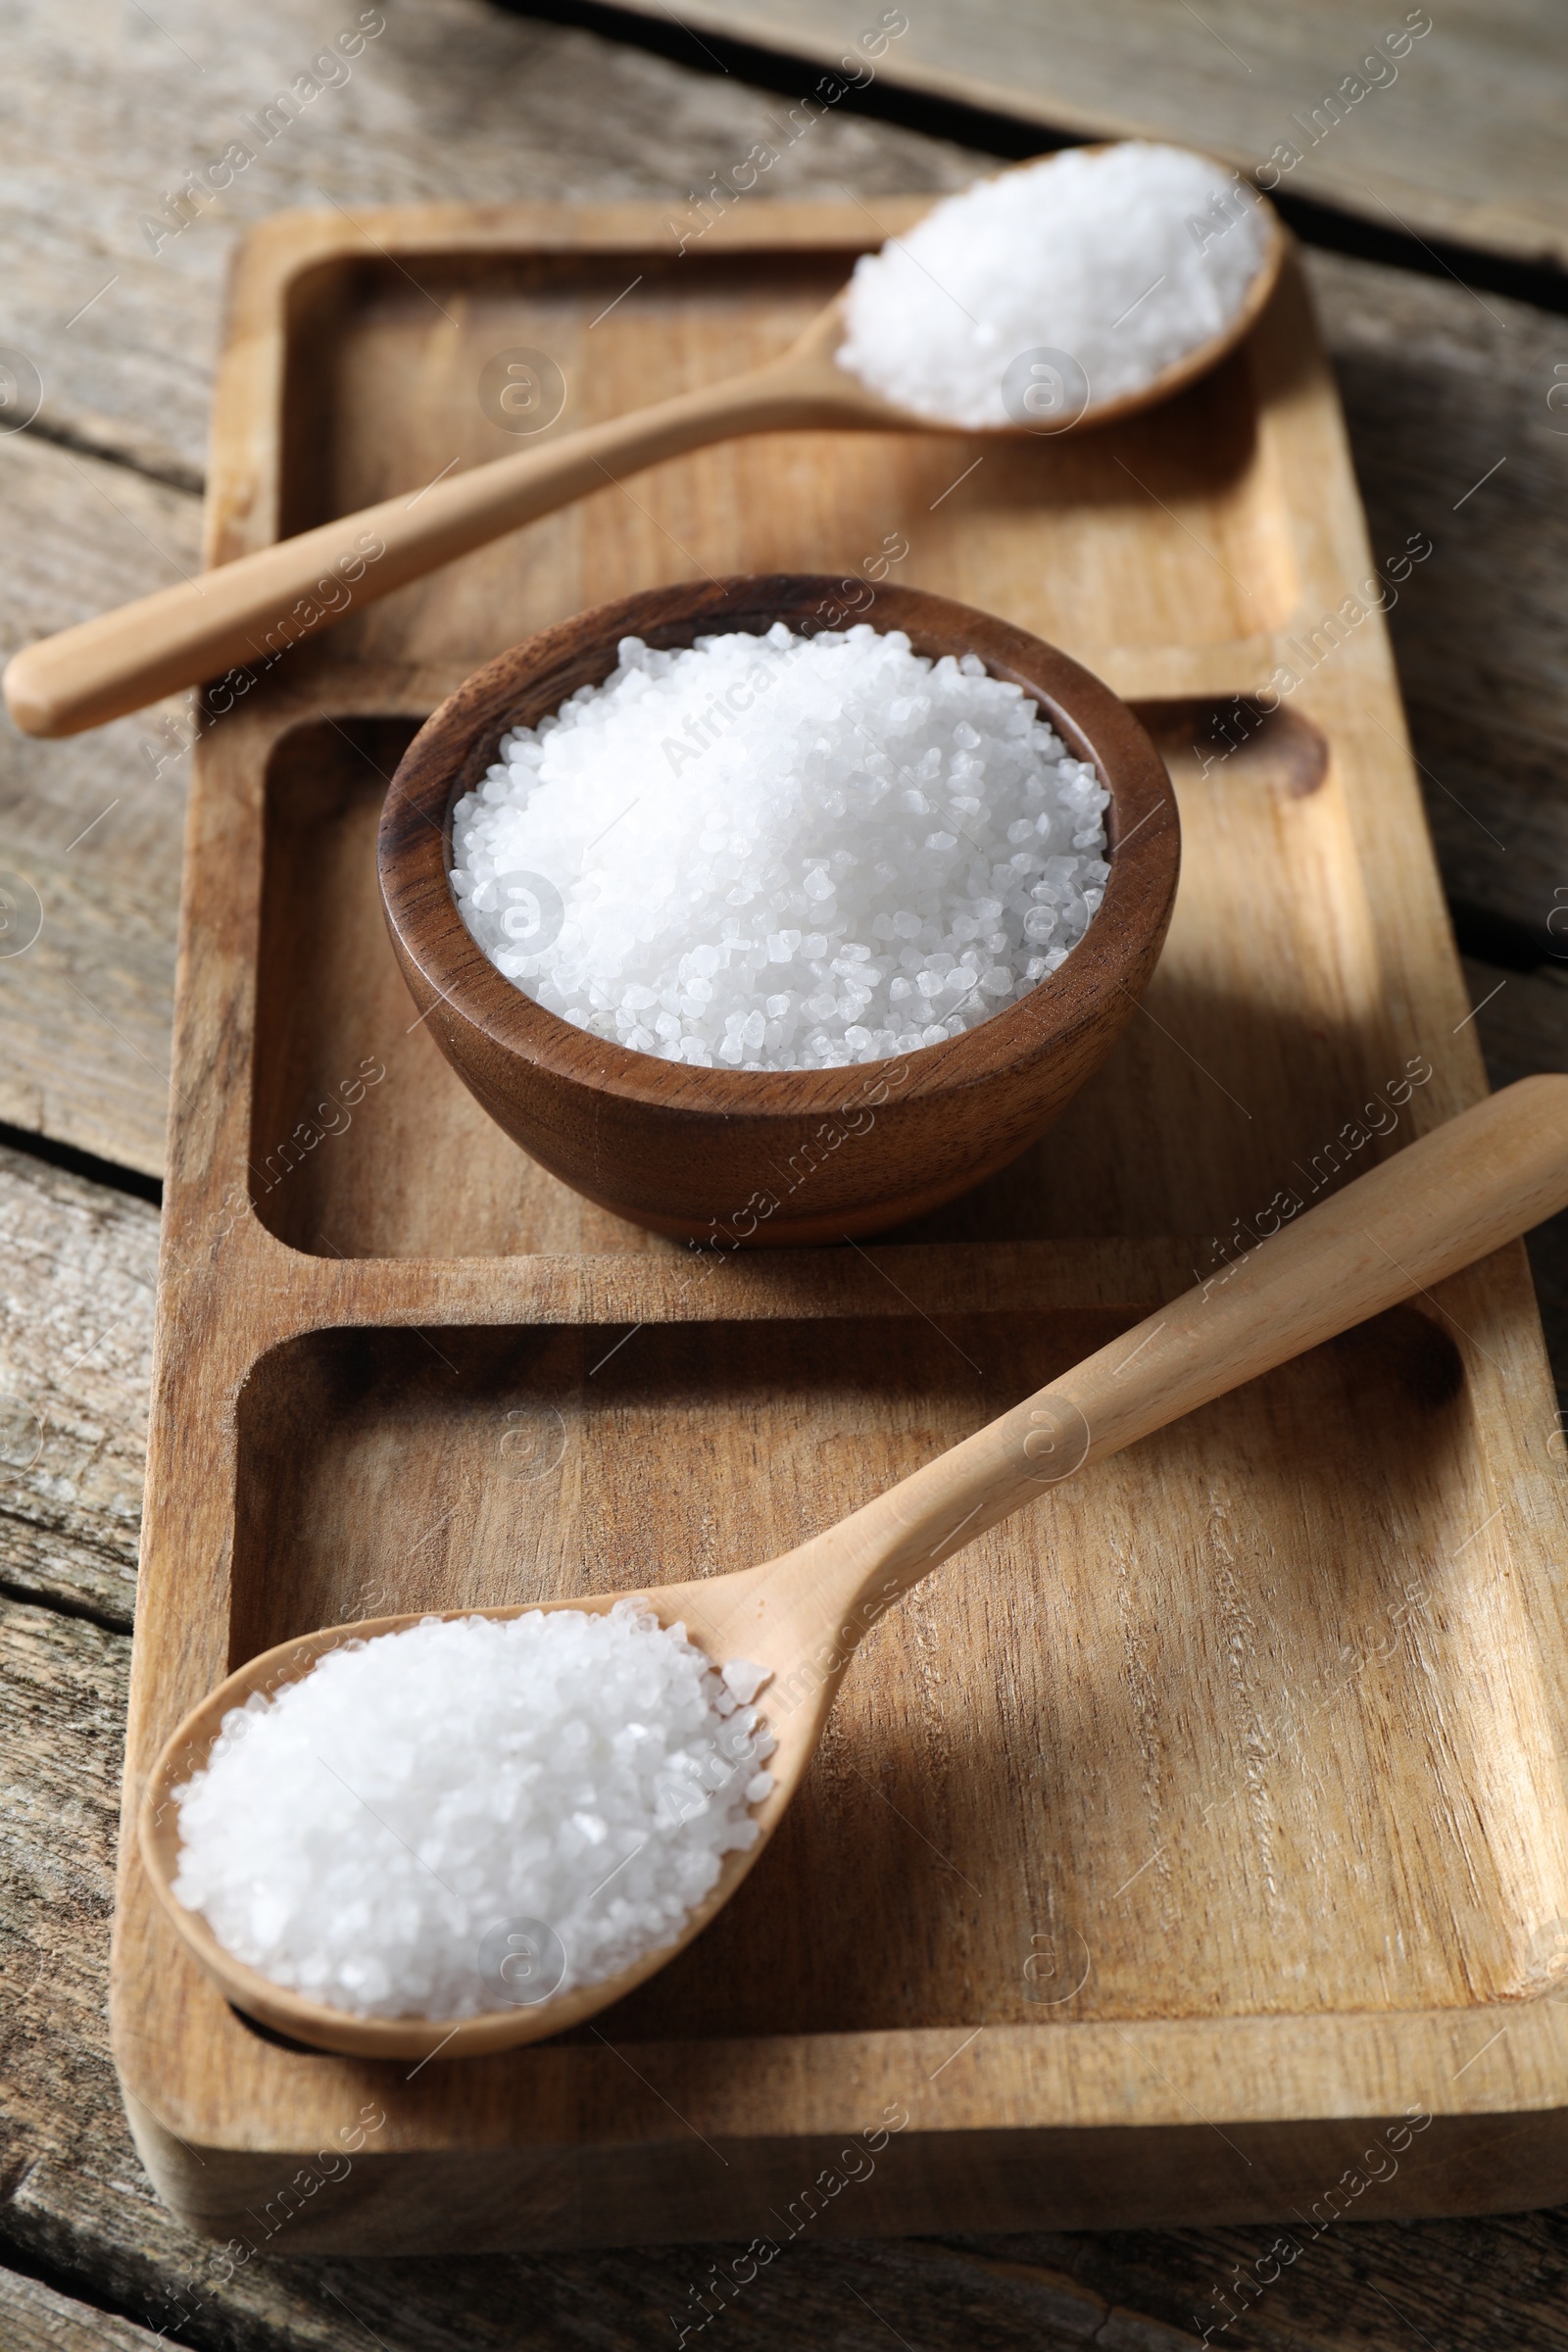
791, 1156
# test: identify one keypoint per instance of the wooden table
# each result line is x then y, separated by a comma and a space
115, 305
1441, 124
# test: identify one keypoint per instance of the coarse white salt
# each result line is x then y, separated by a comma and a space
782, 852
1125, 260
473, 1812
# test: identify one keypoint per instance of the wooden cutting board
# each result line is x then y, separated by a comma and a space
1192, 1835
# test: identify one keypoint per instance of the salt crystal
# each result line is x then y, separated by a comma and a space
1122, 260
564, 1783
778, 772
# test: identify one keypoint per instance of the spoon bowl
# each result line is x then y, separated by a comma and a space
722, 1615
122, 661
811, 365
1454, 1195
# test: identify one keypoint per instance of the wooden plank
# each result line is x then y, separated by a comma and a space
35, 2319
1446, 128
846, 2295
1436, 391
74, 2200
1446, 398
61, 1731
108, 114
1352, 2286
76, 1351
91, 827
1522, 1022
76, 2203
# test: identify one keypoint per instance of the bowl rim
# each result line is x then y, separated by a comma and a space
445, 965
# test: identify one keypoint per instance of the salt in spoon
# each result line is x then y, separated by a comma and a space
201, 628
1449, 1198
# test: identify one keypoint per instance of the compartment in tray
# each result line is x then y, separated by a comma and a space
1266, 1056
1049, 533
364, 1141
1161, 1712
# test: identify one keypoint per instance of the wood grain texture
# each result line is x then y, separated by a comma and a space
100, 109
125, 659
1287, 817
37, 2320
1451, 132
61, 1718
1446, 1203
76, 2204
104, 113
1446, 399
107, 111
91, 835
75, 1352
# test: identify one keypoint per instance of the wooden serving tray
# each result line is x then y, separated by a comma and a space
1185, 1835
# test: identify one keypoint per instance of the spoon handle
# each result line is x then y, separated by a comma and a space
1452, 1198
246, 613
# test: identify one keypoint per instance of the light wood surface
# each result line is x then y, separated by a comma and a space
120, 306
76, 1355
1442, 123
1447, 1200
79, 2202
37, 2320
106, 109
1438, 384
1292, 986
90, 838
274, 598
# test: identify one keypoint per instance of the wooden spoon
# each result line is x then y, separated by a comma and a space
251, 610
1443, 1201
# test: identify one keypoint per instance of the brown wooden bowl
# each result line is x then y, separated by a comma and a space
790, 1156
